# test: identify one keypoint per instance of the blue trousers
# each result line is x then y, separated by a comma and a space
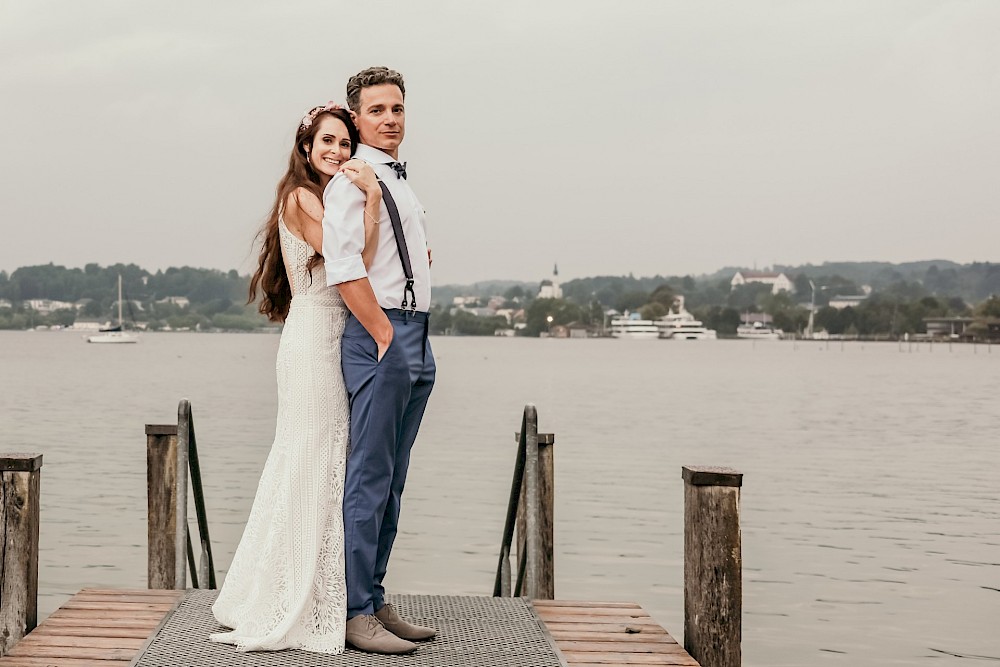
387, 400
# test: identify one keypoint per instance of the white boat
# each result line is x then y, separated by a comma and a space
116, 335
634, 328
682, 325
758, 331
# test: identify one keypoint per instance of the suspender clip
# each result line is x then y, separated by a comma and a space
408, 290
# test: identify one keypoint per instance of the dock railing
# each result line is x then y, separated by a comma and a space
171, 456
531, 510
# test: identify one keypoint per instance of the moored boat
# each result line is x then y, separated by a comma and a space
634, 328
682, 325
115, 334
758, 331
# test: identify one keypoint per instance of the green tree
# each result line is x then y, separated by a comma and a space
723, 319
515, 293
92, 308
663, 295
747, 297
440, 319
466, 324
989, 308
631, 301
653, 311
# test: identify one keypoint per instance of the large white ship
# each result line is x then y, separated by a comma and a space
682, 325
632, 327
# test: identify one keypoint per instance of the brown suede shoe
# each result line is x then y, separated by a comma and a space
366, 633
397, 626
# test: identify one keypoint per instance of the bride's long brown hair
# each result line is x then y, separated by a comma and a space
270, 277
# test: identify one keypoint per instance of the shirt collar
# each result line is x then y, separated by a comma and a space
370, 154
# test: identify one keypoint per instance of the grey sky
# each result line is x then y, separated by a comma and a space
651, 137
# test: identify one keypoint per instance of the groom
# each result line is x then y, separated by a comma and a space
387, 361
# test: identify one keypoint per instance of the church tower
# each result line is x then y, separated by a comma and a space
550, 289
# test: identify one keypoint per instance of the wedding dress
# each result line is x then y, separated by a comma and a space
285, 588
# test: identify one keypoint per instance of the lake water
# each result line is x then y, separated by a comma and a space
871, 497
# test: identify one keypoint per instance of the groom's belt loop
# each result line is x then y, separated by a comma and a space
406, 316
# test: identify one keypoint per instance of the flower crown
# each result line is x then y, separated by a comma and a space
310, 116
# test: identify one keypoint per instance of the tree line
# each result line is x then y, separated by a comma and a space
216, 298
901, 297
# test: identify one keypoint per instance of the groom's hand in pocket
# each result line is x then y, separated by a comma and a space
383, 347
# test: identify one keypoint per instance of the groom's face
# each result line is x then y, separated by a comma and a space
381, 118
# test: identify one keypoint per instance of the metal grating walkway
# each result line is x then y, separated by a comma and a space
472, 631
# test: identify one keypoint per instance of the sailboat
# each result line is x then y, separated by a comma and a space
115, 334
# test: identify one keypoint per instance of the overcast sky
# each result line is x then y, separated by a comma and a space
610, 137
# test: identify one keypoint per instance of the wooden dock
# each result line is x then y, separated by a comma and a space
95, 628
109, 628
520, 624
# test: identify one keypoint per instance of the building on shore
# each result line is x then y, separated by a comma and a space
779, 282
46, 306
947, 327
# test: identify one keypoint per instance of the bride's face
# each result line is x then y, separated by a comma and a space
331, 146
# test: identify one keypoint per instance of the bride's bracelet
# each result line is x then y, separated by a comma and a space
371, 217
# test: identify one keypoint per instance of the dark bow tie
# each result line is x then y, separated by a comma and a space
399, 168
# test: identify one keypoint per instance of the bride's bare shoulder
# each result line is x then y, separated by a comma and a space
302, 202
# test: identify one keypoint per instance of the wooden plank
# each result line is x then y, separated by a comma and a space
596, 619
584, 603
637, 612
625, 663
624, 637
62, 662
97, 616
657, 648
42, 651
24, 646
89, 622
130, 597
129, 607
174, 594
91, 631
611, 658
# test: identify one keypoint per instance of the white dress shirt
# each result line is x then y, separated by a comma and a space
344, 235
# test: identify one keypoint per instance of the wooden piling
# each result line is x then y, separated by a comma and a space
20, 485
161, 498
545, 563
713, 565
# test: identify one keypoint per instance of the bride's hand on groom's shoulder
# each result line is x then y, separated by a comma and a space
362, 175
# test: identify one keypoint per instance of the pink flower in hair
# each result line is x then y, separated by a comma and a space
310, 116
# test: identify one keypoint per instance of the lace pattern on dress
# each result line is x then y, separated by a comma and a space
285, 587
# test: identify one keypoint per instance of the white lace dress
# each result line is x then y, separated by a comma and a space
285, 588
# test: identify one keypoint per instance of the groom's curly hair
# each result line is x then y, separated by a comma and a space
373, 76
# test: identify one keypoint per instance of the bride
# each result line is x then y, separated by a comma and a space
285, 588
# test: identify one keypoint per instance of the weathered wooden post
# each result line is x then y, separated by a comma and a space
713, 565
545, 527
161, 499
20, 486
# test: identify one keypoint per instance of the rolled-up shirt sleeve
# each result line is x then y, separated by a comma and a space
343, 231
